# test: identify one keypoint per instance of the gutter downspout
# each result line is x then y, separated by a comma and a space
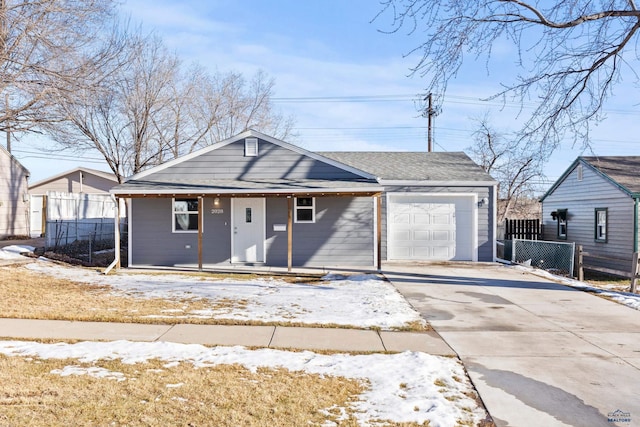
116, 237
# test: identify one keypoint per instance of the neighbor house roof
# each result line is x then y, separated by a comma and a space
622, 171
413, 166
102, 174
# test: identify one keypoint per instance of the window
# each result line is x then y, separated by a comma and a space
601, 224
562, 224
251, 147
185, 215
305, 209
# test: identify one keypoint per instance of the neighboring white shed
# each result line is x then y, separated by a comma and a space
80, 180
14, 196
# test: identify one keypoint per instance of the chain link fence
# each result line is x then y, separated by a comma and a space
555, 257
89, 242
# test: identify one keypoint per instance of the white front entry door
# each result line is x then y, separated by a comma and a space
248, 228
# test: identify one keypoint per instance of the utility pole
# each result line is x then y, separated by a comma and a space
430, 128
430, 113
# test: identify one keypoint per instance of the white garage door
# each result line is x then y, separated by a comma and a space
425, 227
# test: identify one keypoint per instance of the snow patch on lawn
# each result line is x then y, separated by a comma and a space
363, 300
403, 387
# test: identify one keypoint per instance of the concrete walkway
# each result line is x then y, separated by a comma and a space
539, 353
350, 340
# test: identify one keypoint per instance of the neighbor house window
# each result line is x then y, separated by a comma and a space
251, 147
562, 224
185, 215
305, 209
601, 224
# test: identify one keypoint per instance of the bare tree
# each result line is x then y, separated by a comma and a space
47, 50
148, 109
516, 166
572, 53
245, 105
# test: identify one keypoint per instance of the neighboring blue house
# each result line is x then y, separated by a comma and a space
595, 204
257, 200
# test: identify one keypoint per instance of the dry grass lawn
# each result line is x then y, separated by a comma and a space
155, 394
27, 295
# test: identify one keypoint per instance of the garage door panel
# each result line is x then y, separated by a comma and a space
403, 253
402, 218
442, 252
422, 235
402, 236
421, 218
443, 236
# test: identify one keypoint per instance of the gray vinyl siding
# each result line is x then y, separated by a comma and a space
581, 198
341, 235
272, 162
485, 215
154, 242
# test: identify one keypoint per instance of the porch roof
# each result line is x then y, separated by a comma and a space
142, 188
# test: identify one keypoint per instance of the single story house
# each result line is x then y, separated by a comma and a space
80, 180
595, 204
253, 199
14, 196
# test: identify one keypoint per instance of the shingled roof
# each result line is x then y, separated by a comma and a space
623, 170
413, 166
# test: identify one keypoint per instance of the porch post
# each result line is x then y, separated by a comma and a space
200, 221
116, 234
379, 230
289, 231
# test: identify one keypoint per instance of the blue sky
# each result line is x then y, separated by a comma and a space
330, 49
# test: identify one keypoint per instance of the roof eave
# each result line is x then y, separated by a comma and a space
428, 183
238, 192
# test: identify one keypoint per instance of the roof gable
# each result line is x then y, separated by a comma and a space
13, 160
620, 171
276, 159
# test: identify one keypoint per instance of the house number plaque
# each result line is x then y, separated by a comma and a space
217, 211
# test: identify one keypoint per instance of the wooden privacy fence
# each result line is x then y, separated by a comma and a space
527, 229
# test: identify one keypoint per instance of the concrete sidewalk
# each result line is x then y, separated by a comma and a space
539, 353
348, 340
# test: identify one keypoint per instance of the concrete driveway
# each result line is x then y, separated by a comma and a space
539, 353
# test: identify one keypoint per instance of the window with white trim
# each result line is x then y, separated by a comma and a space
562, 224
305, 209
601, 224
251, 147
185, 215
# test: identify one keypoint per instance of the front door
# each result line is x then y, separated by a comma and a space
248, 230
